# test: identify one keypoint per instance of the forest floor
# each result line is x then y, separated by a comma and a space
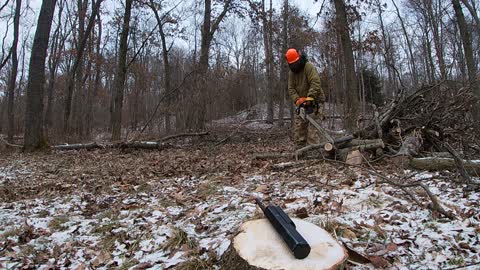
179, 208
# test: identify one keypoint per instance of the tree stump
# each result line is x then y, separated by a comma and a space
258, 247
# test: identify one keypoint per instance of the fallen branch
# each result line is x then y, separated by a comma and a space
9, 144
404, 187
435, 204
272, 155
182, 135
231, 134
286, 165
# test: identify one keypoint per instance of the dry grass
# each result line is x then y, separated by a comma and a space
196, 264
178, 239
57, 223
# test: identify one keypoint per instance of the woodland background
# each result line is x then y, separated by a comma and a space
161, 67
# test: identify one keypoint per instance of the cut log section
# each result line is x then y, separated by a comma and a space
258, 247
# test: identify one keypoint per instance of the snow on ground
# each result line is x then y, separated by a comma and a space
13, 172
183, 218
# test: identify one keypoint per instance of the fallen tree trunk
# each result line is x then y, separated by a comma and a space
77, 146
259, 247
439, 164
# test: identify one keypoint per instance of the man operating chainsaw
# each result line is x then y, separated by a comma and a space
305, 91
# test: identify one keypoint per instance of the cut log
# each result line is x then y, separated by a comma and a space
439, 164
328, 147
371, 145
259, 247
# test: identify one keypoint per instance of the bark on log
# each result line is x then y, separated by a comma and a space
325, 145
357, 142
439, 164
259, 247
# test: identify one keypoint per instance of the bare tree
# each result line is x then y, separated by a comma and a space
162, 21
413, 66
467, 48
13, 72
78, 63
120, 74
34, 138
209, 27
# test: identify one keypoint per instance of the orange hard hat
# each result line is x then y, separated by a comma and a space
292, 56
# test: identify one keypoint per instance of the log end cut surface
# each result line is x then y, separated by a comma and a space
260, 246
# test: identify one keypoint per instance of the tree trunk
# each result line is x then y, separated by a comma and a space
166, 63
351, 98
284, 70
34, 138
121, 73
472, 9
267, 41
198, 112
469, 57
96, 84
13, 74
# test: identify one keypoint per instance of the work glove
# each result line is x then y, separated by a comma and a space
300, 101
309, 101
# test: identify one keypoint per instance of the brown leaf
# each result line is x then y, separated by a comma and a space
356, 256
81, 266
349, 234
301, 213
262, 189
392, 247
379, 262
290, 200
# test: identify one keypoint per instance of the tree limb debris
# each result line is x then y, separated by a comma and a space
2, 140
403, 185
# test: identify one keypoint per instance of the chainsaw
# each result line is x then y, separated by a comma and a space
304, 111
